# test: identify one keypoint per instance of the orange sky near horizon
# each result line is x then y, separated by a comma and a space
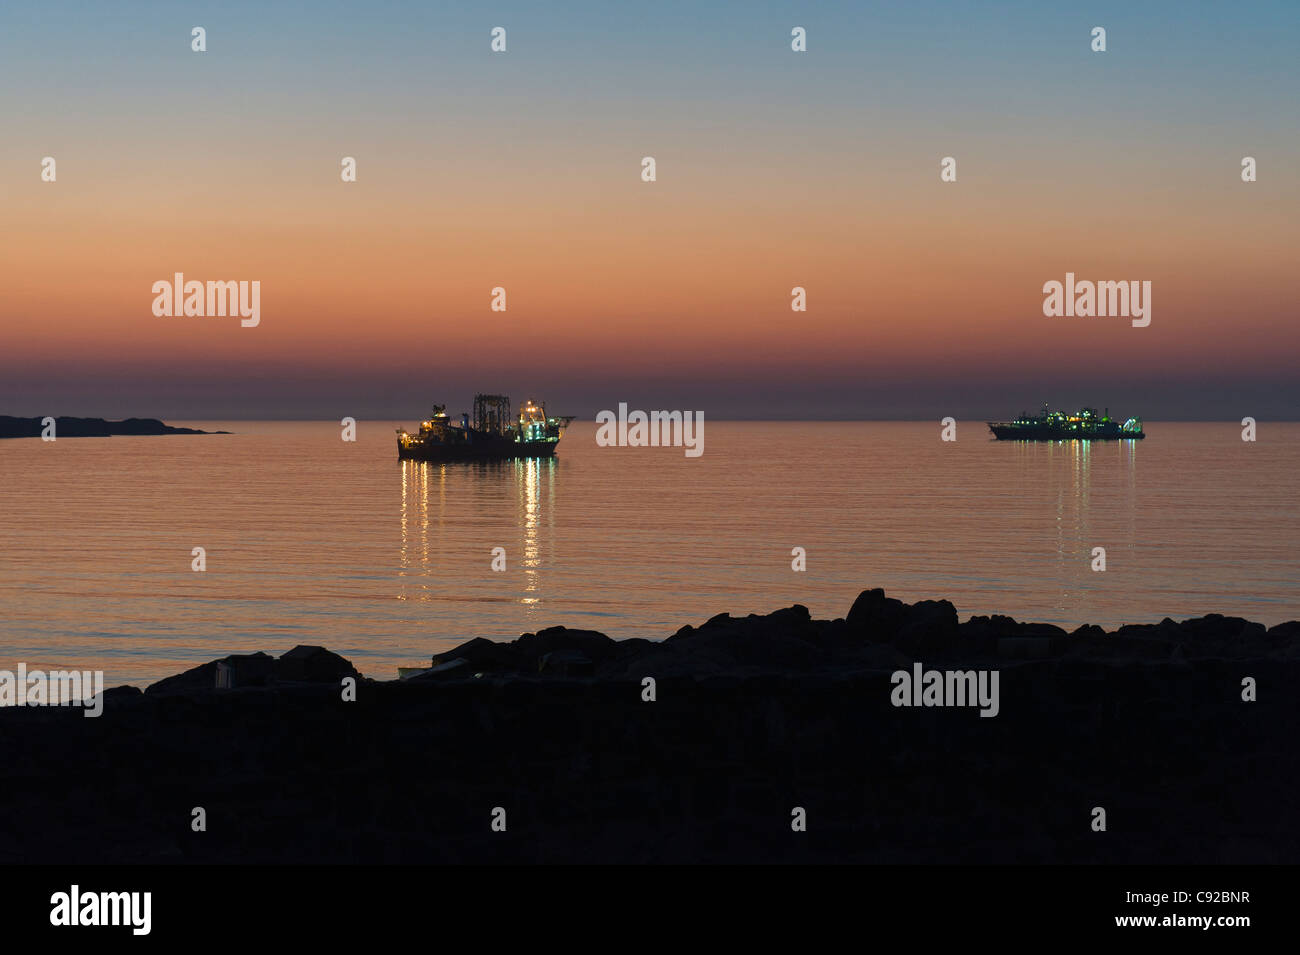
597, 269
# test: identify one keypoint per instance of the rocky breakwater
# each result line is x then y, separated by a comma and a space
700, 747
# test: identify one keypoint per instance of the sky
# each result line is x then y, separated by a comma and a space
775, 169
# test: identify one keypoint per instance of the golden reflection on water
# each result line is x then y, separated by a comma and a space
481, 492
1071, 466
404, 552
528, 484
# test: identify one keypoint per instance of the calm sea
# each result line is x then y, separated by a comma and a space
309, 539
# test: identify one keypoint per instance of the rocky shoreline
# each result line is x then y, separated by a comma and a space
698, 748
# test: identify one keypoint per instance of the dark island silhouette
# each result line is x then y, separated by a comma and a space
66, 427
753, 718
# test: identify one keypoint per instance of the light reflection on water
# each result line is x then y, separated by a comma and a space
534, 494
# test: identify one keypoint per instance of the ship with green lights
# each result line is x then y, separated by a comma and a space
493, 434
1083, 425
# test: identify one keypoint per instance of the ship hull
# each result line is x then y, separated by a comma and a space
1036, 433
475, 450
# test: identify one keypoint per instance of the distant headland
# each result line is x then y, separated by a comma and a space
65, 427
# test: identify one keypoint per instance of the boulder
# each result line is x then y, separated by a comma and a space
874, 616
920, 628
783, 639
1089, 631
307, 664
531, 647
485, 656
1285, 631
1284, 639
1217, 635
1009, 637
1213, 635
928, 626
249, 669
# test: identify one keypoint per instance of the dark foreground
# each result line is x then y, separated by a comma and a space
752, 718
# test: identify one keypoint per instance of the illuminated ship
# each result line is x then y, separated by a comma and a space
493, 435
1086, 425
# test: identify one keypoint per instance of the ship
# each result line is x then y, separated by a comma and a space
492, 435
1084, 425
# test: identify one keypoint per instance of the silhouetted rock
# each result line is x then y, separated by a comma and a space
1008, 637
69, 427
1284, 639
928, 626
1215, 635
307, 664
484, 655
1211, 636
874, 616
531, 647
665, 659
782, 639
247, 670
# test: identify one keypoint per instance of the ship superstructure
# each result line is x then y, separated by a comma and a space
1084, 425
493, 433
